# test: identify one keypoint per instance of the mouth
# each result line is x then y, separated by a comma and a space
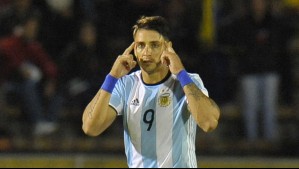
146, 60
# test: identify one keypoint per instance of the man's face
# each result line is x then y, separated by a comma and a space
31, 28
149, 46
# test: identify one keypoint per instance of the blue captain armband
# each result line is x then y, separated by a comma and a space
184, 78
109, 83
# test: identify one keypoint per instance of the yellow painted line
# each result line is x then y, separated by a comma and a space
101, 161
248, 162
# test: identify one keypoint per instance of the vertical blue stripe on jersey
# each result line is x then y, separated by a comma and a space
128, 147
133, 148
177, 136
148, 138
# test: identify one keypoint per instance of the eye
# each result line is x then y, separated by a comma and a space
155, 45
140, 46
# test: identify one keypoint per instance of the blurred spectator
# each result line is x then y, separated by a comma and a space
59, 25
5, 141
179, 14
14, 14
214, 62
88, 9
257, 35
4, 4
83, 68
294, 53
294, 48
287, 28
25, 67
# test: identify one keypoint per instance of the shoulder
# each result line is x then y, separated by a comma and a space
198, 81
194, 75
10, 41
12, 45
131, 78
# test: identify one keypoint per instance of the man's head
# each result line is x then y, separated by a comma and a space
155, 23
150, 36
28, 28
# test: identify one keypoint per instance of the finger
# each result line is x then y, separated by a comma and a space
128, 61
169, 47
133, 64
163, 56
129, 49
165, 59
130, 65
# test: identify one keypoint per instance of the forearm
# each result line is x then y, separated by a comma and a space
204, 110
96, 115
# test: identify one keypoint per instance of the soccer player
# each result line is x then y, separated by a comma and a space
160, 103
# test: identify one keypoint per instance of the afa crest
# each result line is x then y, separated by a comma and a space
164, 100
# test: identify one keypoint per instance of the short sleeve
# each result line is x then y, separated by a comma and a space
117, 98
199, 83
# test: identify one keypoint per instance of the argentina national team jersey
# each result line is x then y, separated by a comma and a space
159, 131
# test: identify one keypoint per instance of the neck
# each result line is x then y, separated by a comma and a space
155, 77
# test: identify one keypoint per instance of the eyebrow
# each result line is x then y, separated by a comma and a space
156, 41
149, 42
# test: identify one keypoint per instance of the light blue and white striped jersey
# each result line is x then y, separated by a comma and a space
159, 131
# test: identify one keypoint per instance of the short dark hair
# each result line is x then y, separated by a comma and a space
156, 23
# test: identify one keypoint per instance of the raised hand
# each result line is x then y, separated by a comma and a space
171, 59
124, 63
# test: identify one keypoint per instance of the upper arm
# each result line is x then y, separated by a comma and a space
199, 83
110, 118
112, 113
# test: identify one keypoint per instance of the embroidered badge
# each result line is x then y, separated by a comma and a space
164, 100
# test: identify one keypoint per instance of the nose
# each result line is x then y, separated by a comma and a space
147, 50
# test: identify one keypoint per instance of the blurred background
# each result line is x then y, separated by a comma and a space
55, 54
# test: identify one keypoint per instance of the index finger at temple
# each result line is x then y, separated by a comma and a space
129, 49
169, 47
